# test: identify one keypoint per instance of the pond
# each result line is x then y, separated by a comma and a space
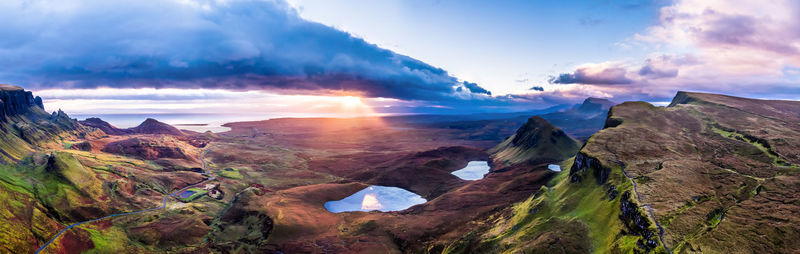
554, 167
381, 198
186, 194
475, 170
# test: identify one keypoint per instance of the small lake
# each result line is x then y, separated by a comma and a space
475, 170
381, 198
554, 167
186, 194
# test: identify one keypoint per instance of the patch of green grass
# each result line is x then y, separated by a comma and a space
197, 193
110, 240
715, 217
585, 202
232, 173
68, 145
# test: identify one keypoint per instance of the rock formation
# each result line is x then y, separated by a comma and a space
16, 101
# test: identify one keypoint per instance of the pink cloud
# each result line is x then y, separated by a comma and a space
742, 48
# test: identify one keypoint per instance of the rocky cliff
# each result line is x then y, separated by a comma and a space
16, 101
707, 174
26, 127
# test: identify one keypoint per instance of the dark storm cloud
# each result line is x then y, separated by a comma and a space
594, 76
475, 88
233, 45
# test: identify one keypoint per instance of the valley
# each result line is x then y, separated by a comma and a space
676, 179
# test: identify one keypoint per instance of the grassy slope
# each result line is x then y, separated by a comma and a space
560, 204
724, 219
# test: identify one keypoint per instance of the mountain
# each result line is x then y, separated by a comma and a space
537, 141
104, 126
595, 105
580, 121
25, 126
153, 126
53, 174
584, 120
149, 126
709, 173
16, 101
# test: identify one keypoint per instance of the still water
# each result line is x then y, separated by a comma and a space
475, 170
381, 198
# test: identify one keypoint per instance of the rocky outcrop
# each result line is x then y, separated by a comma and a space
584, 163
16, 101
636, 224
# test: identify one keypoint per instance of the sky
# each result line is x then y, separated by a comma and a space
361, 57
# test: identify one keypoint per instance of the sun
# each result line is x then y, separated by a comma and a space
350, 102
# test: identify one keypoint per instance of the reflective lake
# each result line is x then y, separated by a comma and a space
554, 167
475, 170
381, 198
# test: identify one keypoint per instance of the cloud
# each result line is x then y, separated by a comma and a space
662, 67
742, 39
743, 49
474, 88
537, 88
234, 45
596, 74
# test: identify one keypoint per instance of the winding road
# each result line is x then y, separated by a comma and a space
206, 172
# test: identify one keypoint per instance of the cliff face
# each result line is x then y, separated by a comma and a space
16, 101
26, 127
707, 169
708, 174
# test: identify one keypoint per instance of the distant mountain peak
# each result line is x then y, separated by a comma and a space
104, 126
153, 126
536, 141
593, 104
